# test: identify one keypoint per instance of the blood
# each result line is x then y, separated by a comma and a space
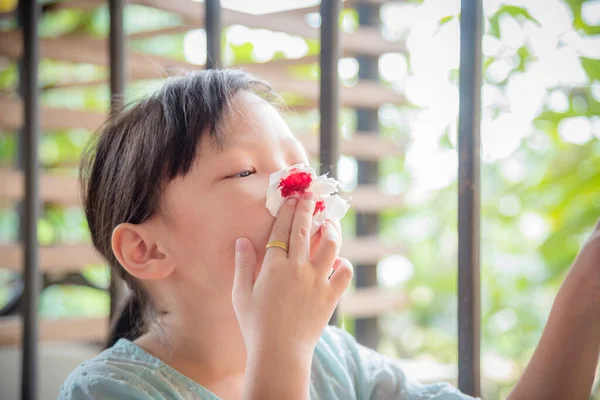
320, 206
295, 183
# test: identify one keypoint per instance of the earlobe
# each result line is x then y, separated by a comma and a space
139, 253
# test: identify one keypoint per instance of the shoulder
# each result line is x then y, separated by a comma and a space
118, 372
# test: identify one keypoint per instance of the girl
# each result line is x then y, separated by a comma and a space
174, 194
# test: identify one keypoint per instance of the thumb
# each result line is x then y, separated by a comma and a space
245, 262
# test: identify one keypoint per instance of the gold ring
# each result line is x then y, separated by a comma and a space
277, 243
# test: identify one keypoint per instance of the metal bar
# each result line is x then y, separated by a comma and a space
117, 48
468, 197
329, 98
29, 11
367, 224
212, 24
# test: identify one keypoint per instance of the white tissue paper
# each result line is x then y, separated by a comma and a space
299, 178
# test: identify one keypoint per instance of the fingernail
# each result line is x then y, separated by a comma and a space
309, 195
292, 201
240, 245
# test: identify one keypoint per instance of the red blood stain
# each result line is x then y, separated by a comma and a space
320, 206
295, 183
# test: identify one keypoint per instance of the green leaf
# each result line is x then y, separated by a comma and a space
524, 57
519, 13
591, 67
445, 20
575, 6
243, 53
8, 77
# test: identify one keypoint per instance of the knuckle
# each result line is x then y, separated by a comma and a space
304, 231
345, 271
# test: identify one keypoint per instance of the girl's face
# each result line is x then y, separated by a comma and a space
223, 197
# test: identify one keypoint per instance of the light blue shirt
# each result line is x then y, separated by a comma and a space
341, 369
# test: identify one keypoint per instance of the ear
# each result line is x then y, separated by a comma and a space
139, 252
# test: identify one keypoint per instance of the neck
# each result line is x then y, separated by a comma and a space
205, 348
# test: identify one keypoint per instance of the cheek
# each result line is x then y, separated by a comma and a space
217, 228
206, 230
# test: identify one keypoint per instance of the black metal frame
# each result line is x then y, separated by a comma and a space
367, 224
468, 143
329, 98
118, 78
212, 25
29, 12
471, 21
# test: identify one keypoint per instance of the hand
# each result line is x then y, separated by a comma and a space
284, 311
292, 299
315, 239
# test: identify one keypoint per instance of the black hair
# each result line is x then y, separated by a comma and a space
138, 151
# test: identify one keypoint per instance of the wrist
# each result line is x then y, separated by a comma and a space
286, 359
278, 374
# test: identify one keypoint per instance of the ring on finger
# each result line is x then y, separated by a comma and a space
277, 243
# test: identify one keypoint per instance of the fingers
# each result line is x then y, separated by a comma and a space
342, 276
245, 265
316, 238
281, 227
338, 227
301, 226
328, 248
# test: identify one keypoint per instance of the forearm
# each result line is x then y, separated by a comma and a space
564, 363
278, 377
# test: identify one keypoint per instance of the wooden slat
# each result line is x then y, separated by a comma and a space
164, 31
58, 189
146, 66
89, 329
93, 51
83, 5
267, 66
58, 258
369, 250
11, 117
365, 94
369, 199
73, 257
361, 145
88, 5
371, 302
364, 41
75, 84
